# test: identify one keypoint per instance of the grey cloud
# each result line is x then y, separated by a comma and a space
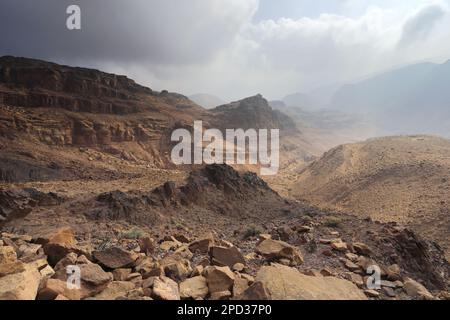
216, 46
419, 26
152, 31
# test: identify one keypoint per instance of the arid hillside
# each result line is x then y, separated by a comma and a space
404, 179
218, 235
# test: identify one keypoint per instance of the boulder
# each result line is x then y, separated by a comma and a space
147, 245
184, 252
20, 286
239, 286
393, 272
58, 244
285, 283
362, 249
256, 292
56, 288
114, 258
356, 279
29, 249
194, 288
93, 274
165, 289
351, 266
219, 279
351, 256
223, 256
239, 267
46, 273
121, 274
69, 259
275, 250
416, 290
202, 245
339, 246
169, 245
93, 280
115, 289
176, 267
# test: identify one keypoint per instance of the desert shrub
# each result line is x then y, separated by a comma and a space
333, 221
132, 234
252, 231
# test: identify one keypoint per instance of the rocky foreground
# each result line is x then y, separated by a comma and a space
206, 268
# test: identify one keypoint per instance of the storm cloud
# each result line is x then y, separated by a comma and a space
230, 48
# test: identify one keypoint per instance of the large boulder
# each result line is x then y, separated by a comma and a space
224, 256
285, 283
176, 267
114, 258
165, 289
194, 288
202, 245
58, 244
147, 245
219, 279
416, 290
115, 290
276, 250
93, 280
256, 292
20, 286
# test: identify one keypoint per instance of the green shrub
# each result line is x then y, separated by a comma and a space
333, 221
252, 231
132, 234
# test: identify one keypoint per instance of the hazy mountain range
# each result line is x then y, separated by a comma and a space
207, 101
412, 99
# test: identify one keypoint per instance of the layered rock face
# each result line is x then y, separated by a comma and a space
27, 83
34, 83
46, 105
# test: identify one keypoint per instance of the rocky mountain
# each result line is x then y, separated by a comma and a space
207, 101
404, 179
253, 112
85, 116
63, 119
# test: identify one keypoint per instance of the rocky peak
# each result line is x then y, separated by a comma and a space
252, 112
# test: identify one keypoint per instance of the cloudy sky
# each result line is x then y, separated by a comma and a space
232, 48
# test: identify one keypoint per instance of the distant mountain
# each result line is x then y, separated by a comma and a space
207, 101
315, 99
410, 100
298, 100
